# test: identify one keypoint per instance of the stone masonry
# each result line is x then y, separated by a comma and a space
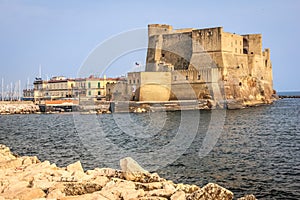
221, 66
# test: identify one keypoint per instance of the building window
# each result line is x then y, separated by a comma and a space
235, 50
133, 81
187, 78
90, 93
98, 84
138, 81
99, 93
129, 81
89, 84
199, 76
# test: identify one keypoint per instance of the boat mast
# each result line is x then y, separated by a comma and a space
2, 90
11, 91
19, 90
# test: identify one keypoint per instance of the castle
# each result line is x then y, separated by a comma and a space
208, 63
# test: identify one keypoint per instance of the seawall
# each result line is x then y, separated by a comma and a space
18, 107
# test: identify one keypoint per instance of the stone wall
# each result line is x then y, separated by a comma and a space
244, 70
150, 86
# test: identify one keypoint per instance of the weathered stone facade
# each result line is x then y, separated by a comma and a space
209, 63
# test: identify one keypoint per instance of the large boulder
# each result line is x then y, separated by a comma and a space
129, 165
75, 167
211, 191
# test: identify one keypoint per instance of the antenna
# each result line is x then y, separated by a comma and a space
40, 71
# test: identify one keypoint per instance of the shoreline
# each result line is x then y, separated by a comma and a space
27, 177
25, 107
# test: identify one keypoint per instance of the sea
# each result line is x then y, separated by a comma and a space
249, 151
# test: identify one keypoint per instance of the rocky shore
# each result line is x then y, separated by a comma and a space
18, 107
28, 178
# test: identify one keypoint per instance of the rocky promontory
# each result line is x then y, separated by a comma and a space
28, 178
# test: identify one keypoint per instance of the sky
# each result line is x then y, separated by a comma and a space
60, 35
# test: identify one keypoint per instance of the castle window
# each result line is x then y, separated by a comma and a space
240, 84
199, 76
187, 78
238, 67
163, 55
262, 78
266, 63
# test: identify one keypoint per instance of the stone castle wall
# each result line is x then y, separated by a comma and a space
237, 62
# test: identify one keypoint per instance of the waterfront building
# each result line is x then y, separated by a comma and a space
39, 89
61, 87
28, 95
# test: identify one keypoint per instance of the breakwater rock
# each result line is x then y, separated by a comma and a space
18, 107
29, 178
